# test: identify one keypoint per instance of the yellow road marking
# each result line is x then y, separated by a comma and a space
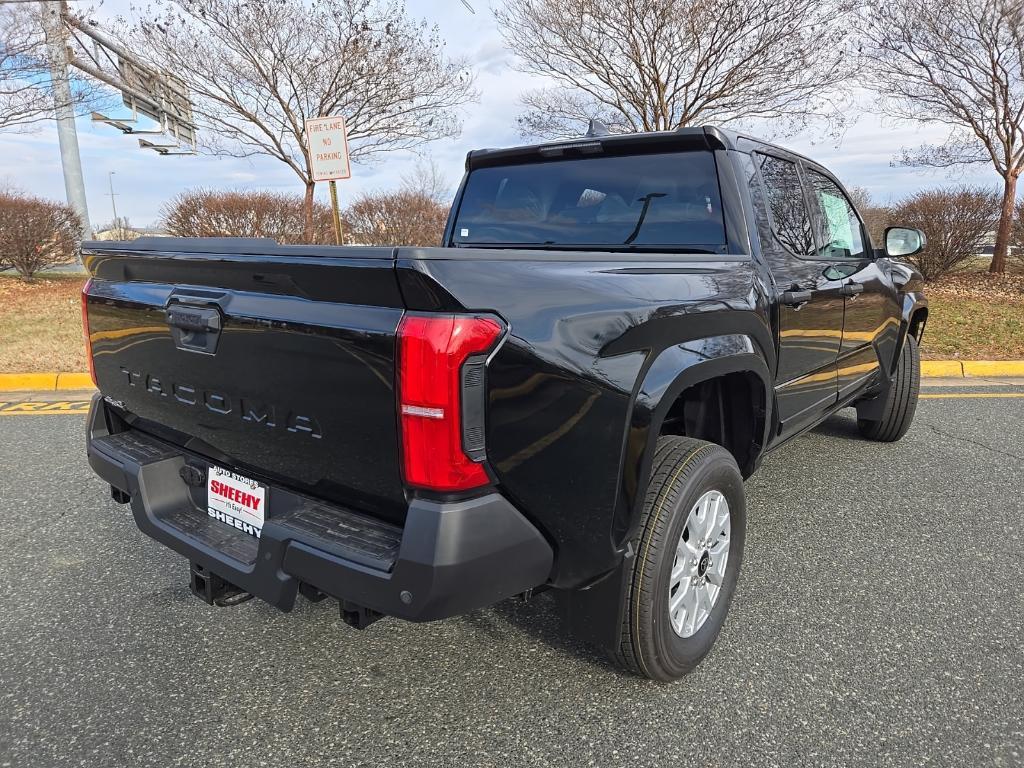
971, 394
44, 408
79, 407
82, 412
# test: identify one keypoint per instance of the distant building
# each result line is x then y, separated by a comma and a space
129, 233
988, 247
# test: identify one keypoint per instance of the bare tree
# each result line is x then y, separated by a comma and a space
956, 221
253, 213
8, 187
22, 100
26, 95
959, 64
406, 217
36, 233
257, 71
427, 178
652, 65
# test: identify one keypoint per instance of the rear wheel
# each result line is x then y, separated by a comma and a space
687, 560
901, 399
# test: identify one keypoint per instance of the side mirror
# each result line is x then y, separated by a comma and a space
904, 241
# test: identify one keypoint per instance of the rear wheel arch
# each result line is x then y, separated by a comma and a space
735, 389
729, 410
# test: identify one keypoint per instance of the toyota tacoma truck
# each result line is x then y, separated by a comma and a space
566, 395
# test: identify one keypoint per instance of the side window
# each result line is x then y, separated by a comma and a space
748, 164
790, 221
841, 234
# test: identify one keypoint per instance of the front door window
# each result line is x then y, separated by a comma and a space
841, 236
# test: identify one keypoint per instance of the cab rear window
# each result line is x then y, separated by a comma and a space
668, 201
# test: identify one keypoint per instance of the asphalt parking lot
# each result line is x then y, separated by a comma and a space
879, 622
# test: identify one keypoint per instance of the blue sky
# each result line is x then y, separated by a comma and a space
144, 180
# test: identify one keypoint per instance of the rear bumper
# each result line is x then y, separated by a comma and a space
450, 557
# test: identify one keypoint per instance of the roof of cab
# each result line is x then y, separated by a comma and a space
599, 139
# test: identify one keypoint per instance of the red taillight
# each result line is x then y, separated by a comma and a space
431, 353
85, 331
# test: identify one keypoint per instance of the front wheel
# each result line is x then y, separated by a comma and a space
687, 560
900, 399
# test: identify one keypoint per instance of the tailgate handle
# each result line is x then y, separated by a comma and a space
195, 329
193, 319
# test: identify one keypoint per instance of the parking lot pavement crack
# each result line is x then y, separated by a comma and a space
978, 443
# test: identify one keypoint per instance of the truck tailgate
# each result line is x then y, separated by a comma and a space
278, 362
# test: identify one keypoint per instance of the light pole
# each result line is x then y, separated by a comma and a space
67, 136
113, 204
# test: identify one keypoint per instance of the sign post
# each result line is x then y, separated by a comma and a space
337, 214
327, 142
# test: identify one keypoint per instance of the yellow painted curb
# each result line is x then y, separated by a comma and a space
994, 368
936, 368
44, 382
74, 381
32, 382
55, 382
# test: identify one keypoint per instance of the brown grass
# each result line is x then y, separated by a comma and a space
41, 324
975, 317
969, 328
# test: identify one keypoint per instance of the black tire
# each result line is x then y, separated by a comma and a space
901, 400
684, 469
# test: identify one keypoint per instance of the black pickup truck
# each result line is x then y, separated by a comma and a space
566, 395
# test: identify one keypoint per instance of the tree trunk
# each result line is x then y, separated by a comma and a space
307, 208
998, 265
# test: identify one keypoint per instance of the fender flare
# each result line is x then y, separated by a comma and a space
912, 303
594, 613
675, 370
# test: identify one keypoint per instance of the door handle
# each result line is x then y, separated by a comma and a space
795, 298
851, 289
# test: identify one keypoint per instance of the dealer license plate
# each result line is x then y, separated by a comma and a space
235, 500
